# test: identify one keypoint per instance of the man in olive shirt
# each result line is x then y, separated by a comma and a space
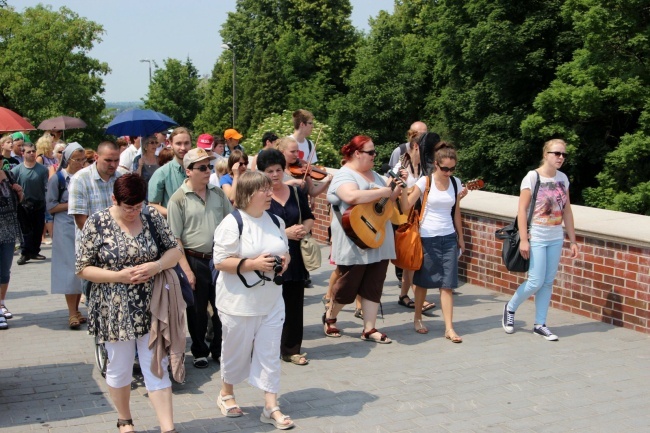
194, 211
168, 178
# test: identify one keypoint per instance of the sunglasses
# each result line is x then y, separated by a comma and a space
558, 154
203, 168
369, 152
243, 164
447, 169
59, 151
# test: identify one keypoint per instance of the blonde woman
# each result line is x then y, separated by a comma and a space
543, 245
289, 148
237, 165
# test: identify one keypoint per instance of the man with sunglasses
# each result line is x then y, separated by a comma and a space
32, 177
194, 211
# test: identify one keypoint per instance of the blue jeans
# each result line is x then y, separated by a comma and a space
6, 259
544, 261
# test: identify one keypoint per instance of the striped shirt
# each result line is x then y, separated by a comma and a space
88, 192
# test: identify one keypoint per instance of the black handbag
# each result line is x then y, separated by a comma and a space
186, 287
510, 253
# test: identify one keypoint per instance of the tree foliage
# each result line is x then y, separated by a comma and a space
290, 54
174, 91
600, 101
45, 70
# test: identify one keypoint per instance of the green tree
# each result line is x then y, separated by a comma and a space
174, 91
490, 59
216, 101
315, 43
599, 102
45, 70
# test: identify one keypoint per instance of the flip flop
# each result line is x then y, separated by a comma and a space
409, 304
455, 338
428, 306
420, 328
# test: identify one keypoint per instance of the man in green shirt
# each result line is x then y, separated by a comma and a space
32, 177
168, 178
194, 211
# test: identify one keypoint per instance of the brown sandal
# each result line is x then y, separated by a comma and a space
73, 322
330, 331
383, 338
81, 318
125, 423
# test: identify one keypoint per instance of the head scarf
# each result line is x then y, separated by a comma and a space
67, 153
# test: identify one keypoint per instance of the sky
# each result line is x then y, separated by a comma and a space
159, 29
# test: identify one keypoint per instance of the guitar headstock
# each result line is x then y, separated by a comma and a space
474, 184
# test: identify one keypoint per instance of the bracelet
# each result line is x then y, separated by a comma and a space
573, 243
159, 266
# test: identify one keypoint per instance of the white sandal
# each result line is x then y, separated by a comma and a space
233, 411
266, 417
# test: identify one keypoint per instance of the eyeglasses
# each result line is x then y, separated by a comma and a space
59, 152
558, 154
131, 209
372, 152
243, 164
203, 168
153, 142
447, 169
265, 190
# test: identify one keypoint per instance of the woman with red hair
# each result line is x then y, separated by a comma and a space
362, 271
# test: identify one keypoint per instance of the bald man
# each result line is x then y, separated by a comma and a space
418, 126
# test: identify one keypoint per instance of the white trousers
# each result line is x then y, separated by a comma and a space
119, 371
251, 348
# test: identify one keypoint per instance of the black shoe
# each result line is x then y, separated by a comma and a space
37, 257
543, 331
308, 284
23, 259
508, 320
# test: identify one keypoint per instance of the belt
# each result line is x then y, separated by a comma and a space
198, 254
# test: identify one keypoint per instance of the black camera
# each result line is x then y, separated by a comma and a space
277, 264
277, 267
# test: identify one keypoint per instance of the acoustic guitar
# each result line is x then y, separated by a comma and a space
365, 223
398, 217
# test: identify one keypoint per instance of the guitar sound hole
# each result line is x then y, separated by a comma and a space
379, 209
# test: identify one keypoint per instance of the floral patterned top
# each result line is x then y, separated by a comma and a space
9, 229
118, 311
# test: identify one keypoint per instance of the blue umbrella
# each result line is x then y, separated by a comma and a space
139, 123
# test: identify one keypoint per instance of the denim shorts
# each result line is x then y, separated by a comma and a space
440, 263
48, 217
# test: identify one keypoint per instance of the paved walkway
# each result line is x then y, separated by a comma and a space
595, 379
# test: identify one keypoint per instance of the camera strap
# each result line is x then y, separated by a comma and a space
263, 278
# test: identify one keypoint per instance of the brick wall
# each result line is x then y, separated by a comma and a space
609, 282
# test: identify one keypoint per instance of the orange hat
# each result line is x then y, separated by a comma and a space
232, 133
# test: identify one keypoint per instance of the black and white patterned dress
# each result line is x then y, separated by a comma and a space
118, 311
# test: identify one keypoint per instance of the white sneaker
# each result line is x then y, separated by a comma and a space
543, 331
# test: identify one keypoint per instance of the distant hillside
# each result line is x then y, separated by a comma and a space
118, 107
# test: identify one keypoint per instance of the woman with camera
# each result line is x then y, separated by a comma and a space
251, 252
292, 205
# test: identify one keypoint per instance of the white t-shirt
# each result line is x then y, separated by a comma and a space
259, 236
126, 159
214, 180
546, 224
437, 212
303, 150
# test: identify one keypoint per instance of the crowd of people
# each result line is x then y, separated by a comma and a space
230, 225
